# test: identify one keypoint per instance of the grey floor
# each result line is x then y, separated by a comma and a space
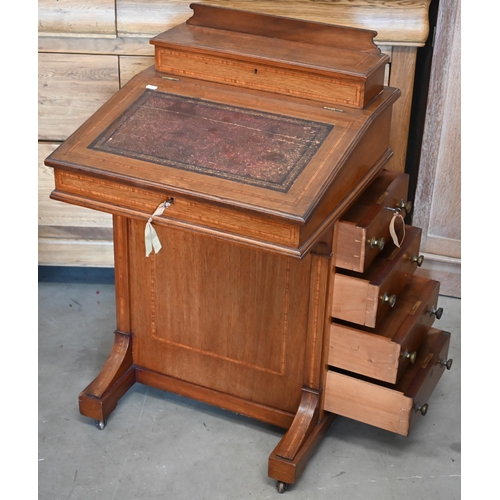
158, 445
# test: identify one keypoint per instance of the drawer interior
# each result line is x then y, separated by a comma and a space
389, 407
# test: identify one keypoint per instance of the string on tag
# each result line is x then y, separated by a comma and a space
150, 237
392, 228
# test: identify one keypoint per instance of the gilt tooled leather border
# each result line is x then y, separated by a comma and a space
229, 142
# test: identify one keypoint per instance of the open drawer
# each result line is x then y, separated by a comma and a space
363, 230
365, 299
384, 352
393, 408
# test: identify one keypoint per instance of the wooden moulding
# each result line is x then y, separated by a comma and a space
333, 64
397, 23
288, 222
393, 408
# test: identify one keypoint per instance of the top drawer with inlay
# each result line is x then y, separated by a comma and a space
364, 229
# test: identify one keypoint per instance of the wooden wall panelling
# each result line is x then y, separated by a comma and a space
80, 236
90, 17
89, 45
71, 87
75, 252
132, 65
148, 19
438, 194
55, 213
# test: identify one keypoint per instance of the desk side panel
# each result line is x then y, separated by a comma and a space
221, 316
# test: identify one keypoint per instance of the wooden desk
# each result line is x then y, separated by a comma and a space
244, 152
109, 52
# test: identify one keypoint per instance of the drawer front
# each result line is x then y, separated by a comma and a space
366, 223
393, 408
365, 299
331, 89
384, 352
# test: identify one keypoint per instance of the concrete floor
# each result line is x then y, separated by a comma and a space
158, 445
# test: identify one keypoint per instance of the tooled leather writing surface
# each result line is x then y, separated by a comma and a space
248, 146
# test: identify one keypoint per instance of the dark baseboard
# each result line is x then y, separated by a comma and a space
63, 274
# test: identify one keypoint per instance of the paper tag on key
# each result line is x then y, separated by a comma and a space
150, 237
392, 229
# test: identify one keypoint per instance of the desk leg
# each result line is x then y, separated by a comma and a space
289, 458
117, 376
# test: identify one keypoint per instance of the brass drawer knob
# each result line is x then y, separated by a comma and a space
377, 242
437, 312
446, 362
406, 206
388, 299
419, 259
422, 408
412, 356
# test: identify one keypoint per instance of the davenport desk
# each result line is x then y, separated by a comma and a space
262, 262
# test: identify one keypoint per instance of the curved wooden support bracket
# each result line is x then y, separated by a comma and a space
289, 458
116, 377
302, 425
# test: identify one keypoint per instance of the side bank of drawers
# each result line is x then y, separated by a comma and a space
385, 354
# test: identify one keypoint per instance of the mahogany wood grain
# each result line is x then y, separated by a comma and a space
317, 316
289, 468
117, 375
123, 185
379, 352
372, 153
289, 458
359, 298
122, 274
235, 309
289, 471
368, 218
304, 422
391, 408
274, 54
101, 408
222, 400
316, 33
222, 316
